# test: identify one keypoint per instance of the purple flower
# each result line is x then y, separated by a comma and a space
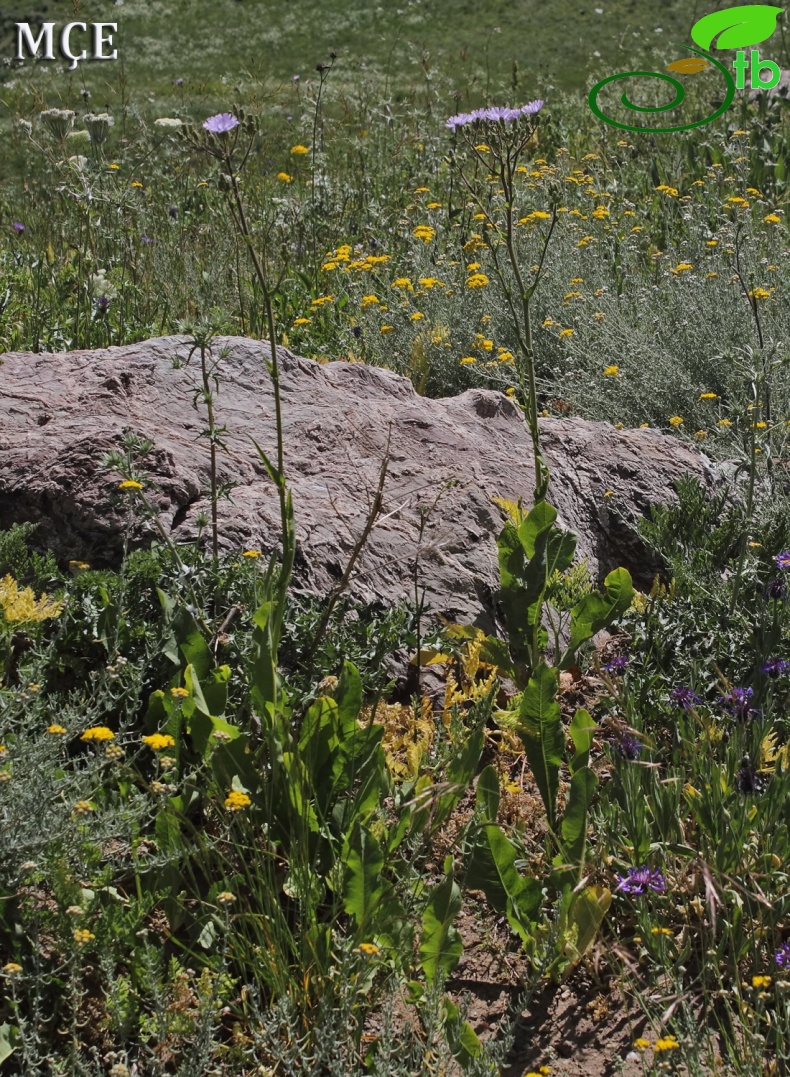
616, 665
782, 956
628, 747
221, 124
494, 114
18, 226
102, 304
737, 701
640, 880
685, 698
179, 82
776, 589
783, 559
775, 667
146, 239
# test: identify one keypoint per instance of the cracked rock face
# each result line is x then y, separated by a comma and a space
448, 458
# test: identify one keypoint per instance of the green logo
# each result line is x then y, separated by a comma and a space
736, 28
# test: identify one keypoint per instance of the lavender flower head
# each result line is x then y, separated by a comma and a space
783, 559
776, 589
685, 698
221, 124
628, 747
494, 114
102, 303
640, 880
782, 956
18, 226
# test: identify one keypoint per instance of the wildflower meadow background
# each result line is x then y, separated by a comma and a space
227, 848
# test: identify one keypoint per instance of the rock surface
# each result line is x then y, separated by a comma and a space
62, 413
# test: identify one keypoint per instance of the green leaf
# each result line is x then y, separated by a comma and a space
460, 772
488, 793
348, 697
491, 867
539, 520
362, 885
736, 27
540, 729
441, 946
585, 916
9, 1034
582, 730
215, 689
574, 818
597, 611
461, 1037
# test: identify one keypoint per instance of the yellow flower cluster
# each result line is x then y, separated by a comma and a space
98, 732
157, 741
22, 605
424, 232
236, 800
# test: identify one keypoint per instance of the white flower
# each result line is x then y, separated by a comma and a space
168, 121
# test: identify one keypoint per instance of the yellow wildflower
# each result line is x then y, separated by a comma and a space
302, 321
760, 293
98, 732
477, 280
724, 422
671, 192
467, 359
23, 605
368, 948
387, 329
565, 333
299, 151
321, 300
772, 218
403, 282
675, 420
56, 729
83, 807
665, 1043
683, 267
735, 200
130, 484
661, 931
424, 232
225, 897
417, 316
641, 1044
157, 741
283, 177
236, 800
82, 936
251, 553
611, 371
136, 183
600, 212
12, 968
179, 693
368, 301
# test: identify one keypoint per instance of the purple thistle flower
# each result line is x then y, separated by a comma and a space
782, 956
616, 665
221, 124
776, 589
685, 698
18, 226
628, 747
737, 700
640, 880
783, 559
102, 304
775, 667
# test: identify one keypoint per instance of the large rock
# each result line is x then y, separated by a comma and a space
61, 413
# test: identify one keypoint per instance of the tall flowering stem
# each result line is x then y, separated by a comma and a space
497, 138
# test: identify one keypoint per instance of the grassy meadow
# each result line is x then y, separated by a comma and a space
227, 847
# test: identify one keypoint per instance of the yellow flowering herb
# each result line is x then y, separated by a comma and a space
157, 741
179, 693
56, 729
22, 605
611, 371
130, 484
675, 420
424, 232
252, 554
283, 177
565, 333
98, 732
299, 151
235, 800
477, 280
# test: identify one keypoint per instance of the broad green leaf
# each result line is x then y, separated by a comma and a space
488, 794
736, 27
348, 697
582, 730
362, 885
192, 685
441, 946
497, 653
597, 611
540, 729
574, 819
538, 521
491, 867
461, 1037
190, 640
215, 689
585, 916
9, 1034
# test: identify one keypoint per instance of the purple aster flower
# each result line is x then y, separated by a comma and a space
783, 559
102, 304
616, 665
775, 667
146, 239
640, 880
494, 114
776, 589
685, 698
18, 226
532, 109
737, 701
221, 124
179, 82
461, 120
628, 747
782, 956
